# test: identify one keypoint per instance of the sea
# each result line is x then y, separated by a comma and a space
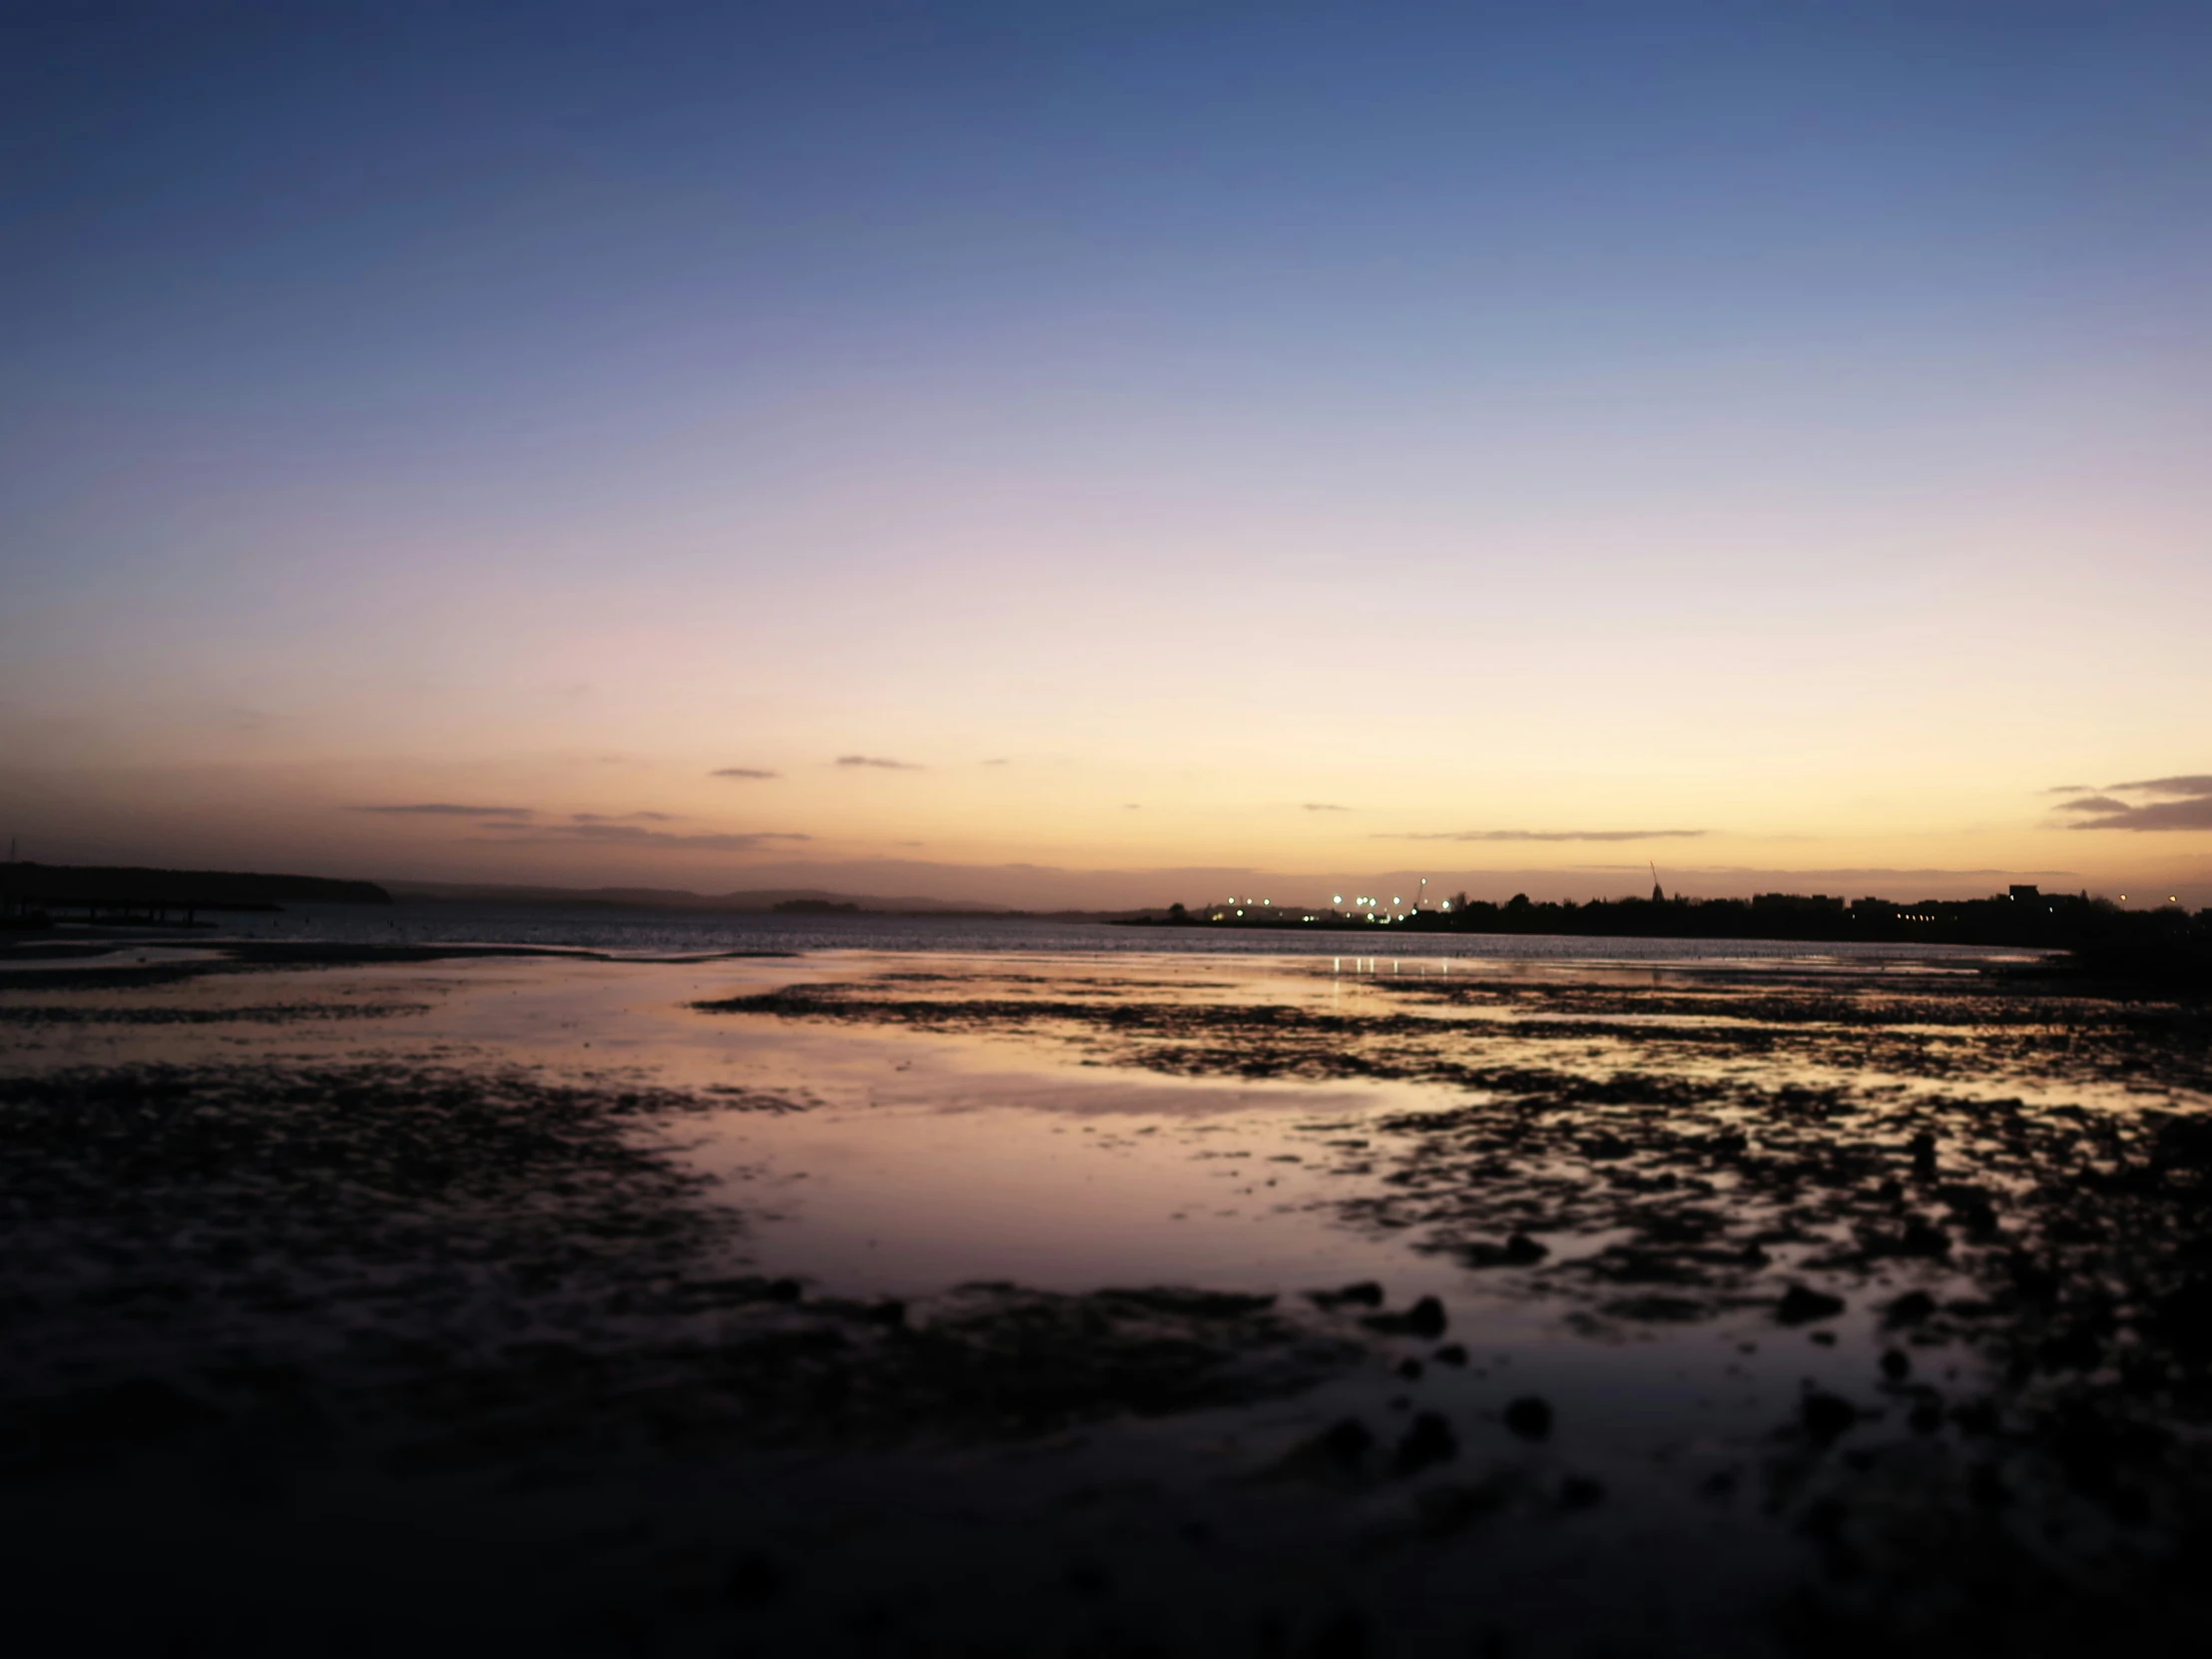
653, 932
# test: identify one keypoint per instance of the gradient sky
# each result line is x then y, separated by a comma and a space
1323, 441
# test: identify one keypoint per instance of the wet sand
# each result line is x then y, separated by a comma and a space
909, 1304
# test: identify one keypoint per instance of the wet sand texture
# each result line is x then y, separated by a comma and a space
353, 1352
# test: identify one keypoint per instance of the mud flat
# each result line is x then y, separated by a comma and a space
900, 1303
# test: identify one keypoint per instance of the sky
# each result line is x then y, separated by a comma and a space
1112, 452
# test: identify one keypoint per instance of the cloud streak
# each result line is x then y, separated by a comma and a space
2175, 803
635, 836
876, 761
1321, 806
742, 772
447, 808
1541, 835
2198, 783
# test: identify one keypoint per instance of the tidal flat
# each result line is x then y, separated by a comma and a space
911, 1303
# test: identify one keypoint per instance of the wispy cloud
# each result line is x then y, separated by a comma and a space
741, 772
1323, 807
622, 818
2182, 803
998, 762
2199, 784
632, 834
1541, 835
876, 761
447, 808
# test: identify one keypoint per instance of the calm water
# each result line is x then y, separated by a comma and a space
659, 932
1680, 1134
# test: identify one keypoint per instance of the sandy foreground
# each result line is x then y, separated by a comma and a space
1001, 1304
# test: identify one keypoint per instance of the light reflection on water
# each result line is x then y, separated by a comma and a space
1284, 1120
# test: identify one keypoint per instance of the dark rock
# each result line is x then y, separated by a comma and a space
2072, 1350
784, 1290
1579, 1491
1454, 1507
1452, 1354
1518, 1251
1896, 1366
1409, 1369
137, 1412
1826, 1415
1344, 1637
1801, 1305
1922, 1147
1975, 1416
1987, 1487
2183, 1317
1927, 1418
1970, 1208
1657, 1309
1913, 1307
1365, 1294
1182, 1304
1531, 1417
2035, 1282
1923, 1237
752, 1580
1429, 1440
1346, 1441
1424, 1319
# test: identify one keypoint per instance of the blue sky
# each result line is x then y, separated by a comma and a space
1782, 419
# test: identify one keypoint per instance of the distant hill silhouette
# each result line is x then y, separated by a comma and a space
207, 889
676, 898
